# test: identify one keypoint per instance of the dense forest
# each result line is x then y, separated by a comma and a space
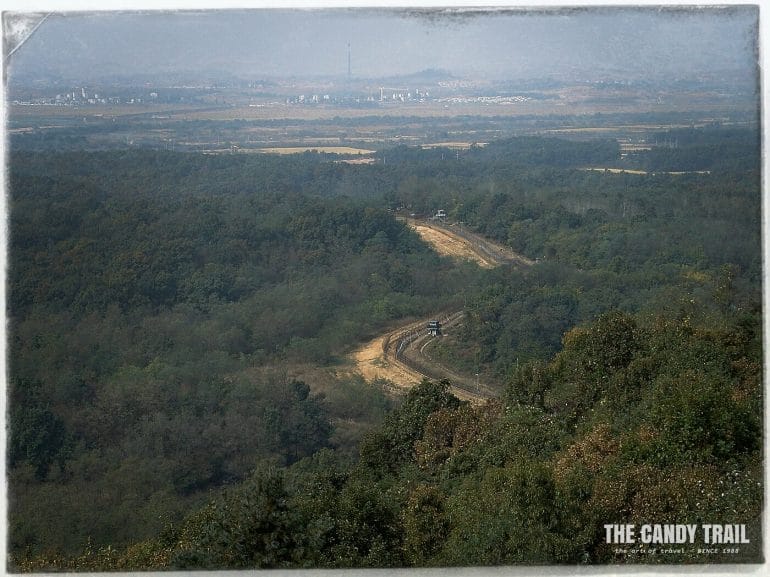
161, 306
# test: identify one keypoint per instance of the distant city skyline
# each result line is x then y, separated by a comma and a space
593, 42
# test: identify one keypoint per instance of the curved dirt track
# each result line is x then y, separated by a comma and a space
399, 356
372, 363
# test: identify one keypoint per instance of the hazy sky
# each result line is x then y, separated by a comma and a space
602, 41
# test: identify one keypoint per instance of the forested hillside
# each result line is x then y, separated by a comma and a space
161, 304
152, 321
629, 422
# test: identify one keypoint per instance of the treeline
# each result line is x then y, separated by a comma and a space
517, 151
634, 420
724, 149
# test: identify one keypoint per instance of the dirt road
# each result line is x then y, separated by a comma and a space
448, 245
372, 363
457, 241
399, 356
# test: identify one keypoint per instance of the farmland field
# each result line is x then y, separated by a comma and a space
322, 149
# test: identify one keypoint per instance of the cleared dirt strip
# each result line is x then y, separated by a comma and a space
398, 355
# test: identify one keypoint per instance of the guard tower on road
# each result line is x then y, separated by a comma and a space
434, 328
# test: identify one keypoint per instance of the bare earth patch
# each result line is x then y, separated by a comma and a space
372, 363
459, 242
449, 245
376, 359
